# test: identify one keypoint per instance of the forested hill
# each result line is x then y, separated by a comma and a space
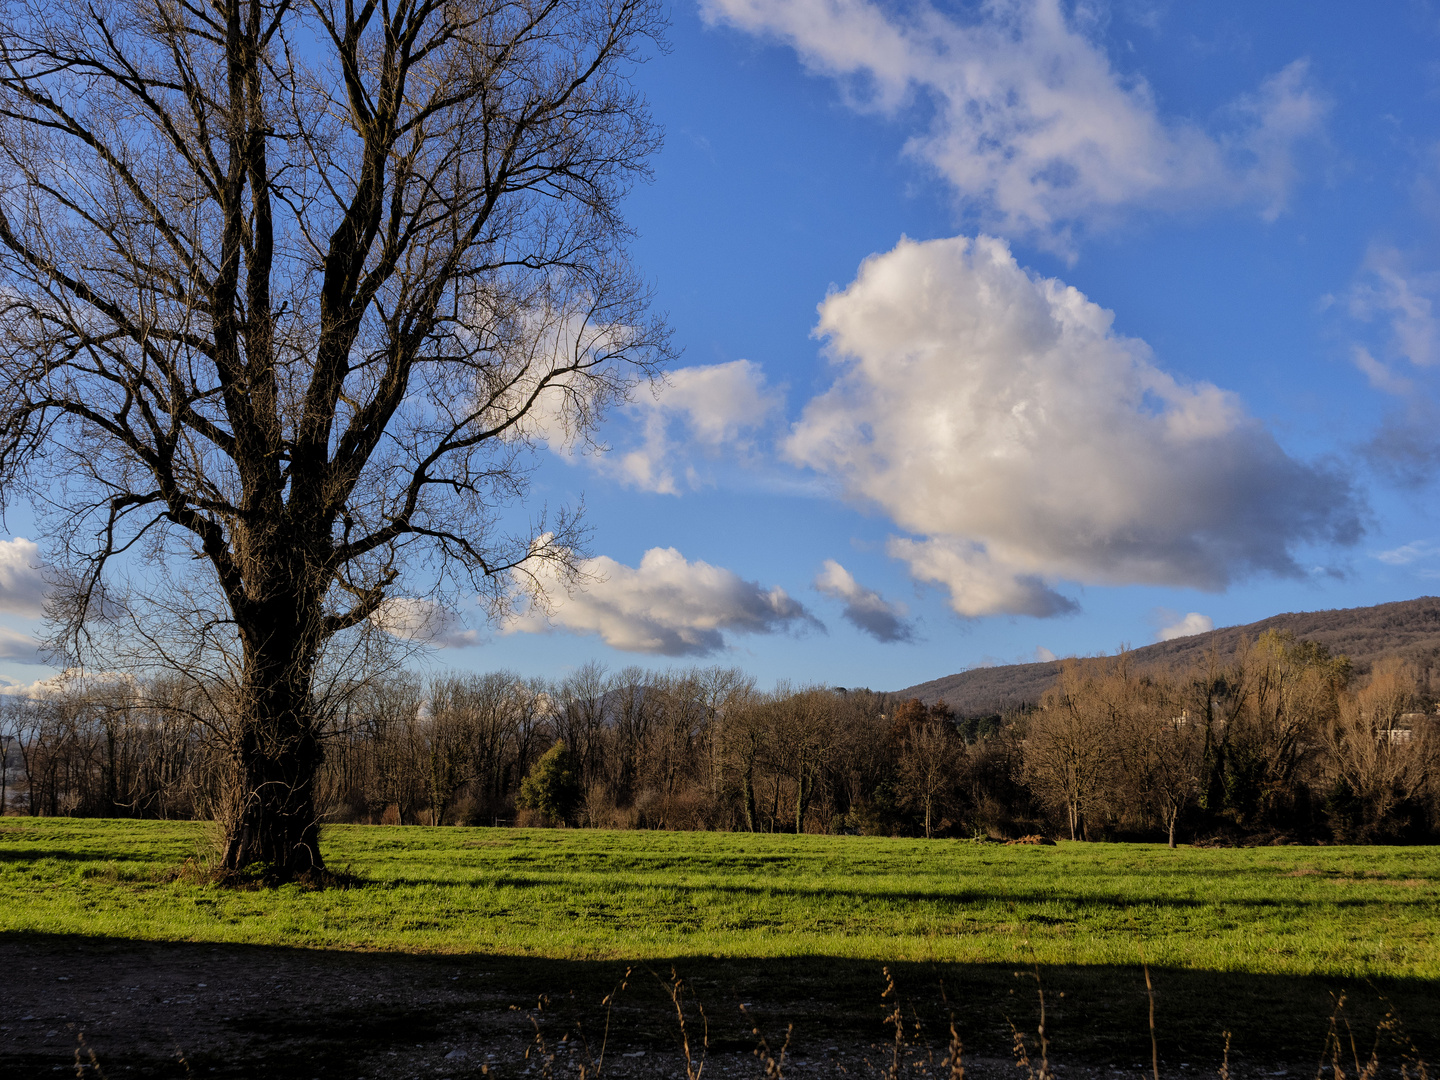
1409, 628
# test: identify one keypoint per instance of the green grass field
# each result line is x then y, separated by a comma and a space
573, 894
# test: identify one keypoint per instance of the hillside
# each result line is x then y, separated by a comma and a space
1409, 628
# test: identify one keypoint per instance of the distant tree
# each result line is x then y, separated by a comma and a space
552, 789
743, 740
928, 768
1283, 693
803, 742
862, 760
447, 739
578, 705
905, 715
1072, 742
1375, 761
9, 707
492, 703
634, 718
289, 290
1162, 747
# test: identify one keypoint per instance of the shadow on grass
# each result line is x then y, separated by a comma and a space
858, 893
41, 854
254, 1010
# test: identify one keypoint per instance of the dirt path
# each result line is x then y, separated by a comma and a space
148, 1009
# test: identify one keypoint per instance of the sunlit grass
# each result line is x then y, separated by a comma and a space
636, 895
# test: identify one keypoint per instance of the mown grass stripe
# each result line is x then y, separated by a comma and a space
638, 895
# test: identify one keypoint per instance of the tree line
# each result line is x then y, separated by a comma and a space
1279, 741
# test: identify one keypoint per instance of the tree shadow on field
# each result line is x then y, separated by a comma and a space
40, 854
238, 1010
959, 897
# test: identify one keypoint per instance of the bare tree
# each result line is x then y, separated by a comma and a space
929, 765
741, 744
1072, 744
803, 740
9, 707
1284, 692
680, 730
289, 290
492, 702
1164, 748
634, 713
448, 739
862, 760
1380, 762
580, 717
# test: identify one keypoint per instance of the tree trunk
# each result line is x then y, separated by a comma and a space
272, 818
112, 788
747, 783
804, 787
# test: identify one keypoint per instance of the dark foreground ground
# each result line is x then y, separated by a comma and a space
148, 1009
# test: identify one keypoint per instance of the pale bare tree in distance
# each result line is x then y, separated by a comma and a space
289, 291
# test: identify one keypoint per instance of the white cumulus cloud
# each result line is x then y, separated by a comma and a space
998, 416
1188, 626
71, 680
667, 606
22, 590
865, 608
1030, 120
978, 583
416, 619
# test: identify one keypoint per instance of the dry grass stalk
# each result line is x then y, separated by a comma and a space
910, 1051
1022, 1053
609, 1003
675, 988
774, 1065
88, 1060
1154, 1043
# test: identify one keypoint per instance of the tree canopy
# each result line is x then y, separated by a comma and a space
289, 290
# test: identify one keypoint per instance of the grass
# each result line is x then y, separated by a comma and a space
1355, 913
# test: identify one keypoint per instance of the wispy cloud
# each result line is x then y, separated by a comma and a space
1392, 292
698, 414
671, 436
1394, 305
416, 619
1381, 377
1030, 121
865, 609
1411, 553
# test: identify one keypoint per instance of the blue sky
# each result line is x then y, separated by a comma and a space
1147, 340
